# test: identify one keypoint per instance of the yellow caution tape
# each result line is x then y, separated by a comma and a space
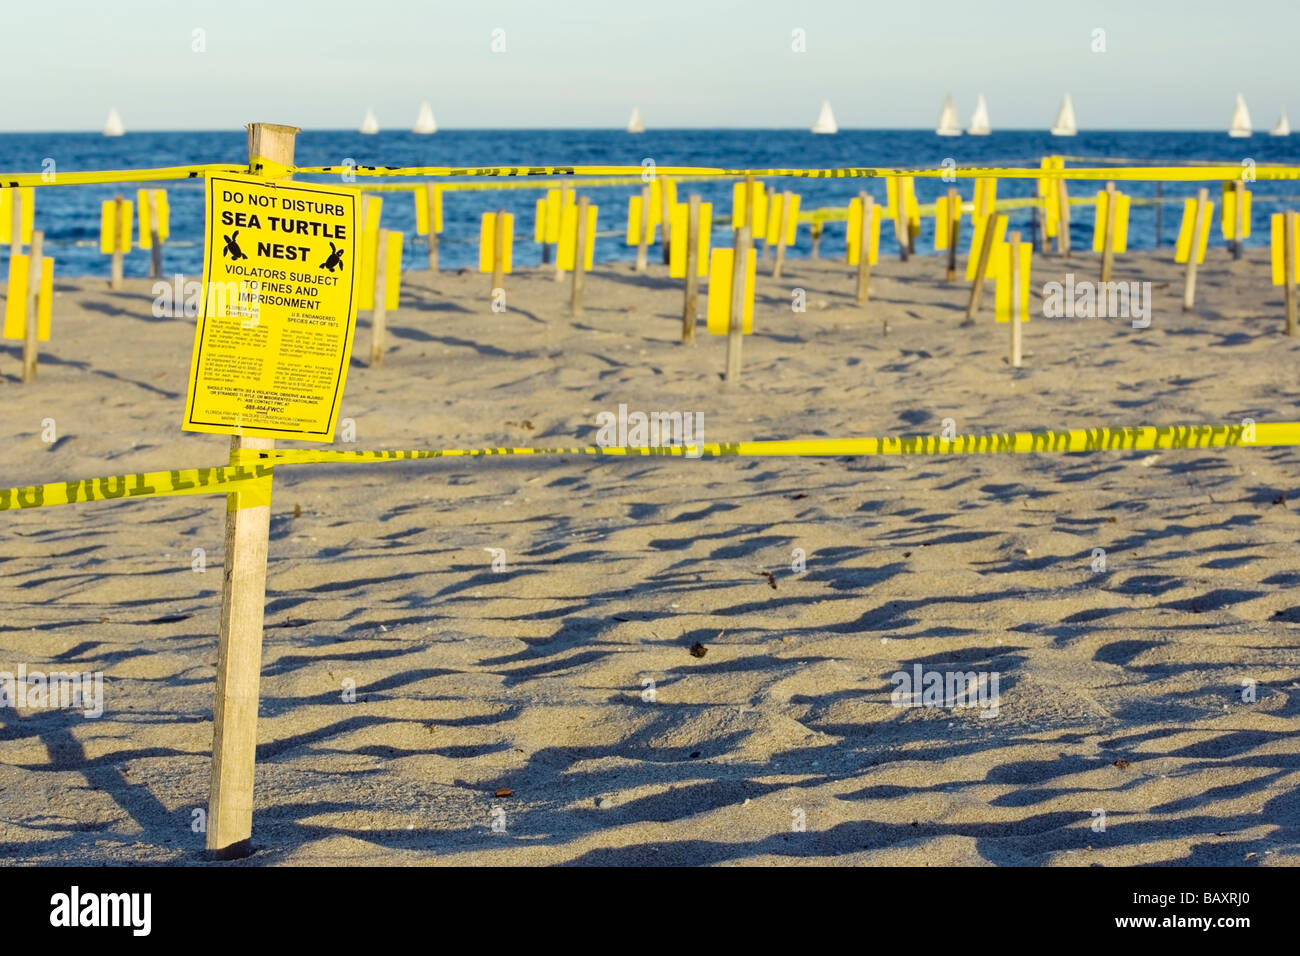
245, 476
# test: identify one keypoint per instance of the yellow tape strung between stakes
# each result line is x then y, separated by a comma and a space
247, 473
276, 171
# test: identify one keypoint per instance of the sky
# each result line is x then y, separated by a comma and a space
1167, 64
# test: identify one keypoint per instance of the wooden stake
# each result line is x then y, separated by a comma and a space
379, 314
1189, 280
30, 345
991, 228
816, 240
1289, 253
243, 599
736, 320
16, 235
864, 248
564, 192
643, 240
954, 226
1239, 217
115, 265
762, 227
431, 199
1108, 236
1160, 213
579, 260
499, 254
690, 307
787, 200
1063, 219
155, 244
665, 218
1016, 305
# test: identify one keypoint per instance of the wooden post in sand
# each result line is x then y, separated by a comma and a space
643, 240
1160, 213
30, 331
816, 240
1289, 252
379, 314
1062, 219
155, 243
16, 235
432, 198
1239, 218
954, 230
665, 218
1189, 280
736, 318
499, 254
115, 266
992, 226
690, 308
243, 599
1017, 307
1108, 235
783, 223
564, 195
579, 259
761, 227
864, 248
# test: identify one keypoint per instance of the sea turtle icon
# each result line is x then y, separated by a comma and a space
335, 260
232, 247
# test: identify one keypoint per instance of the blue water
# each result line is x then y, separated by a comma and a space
69, 215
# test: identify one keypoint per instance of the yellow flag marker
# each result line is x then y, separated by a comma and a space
854, 244
1228, 214
26, 196
422, 204
740, 203
159, 197
986, 196
1182, 249
566, 252
777, 210
678, 230
1119, 237
945, 213
635, 212
16, 301
996, 259
1002, 298
721, 266
487, 242
1277, 249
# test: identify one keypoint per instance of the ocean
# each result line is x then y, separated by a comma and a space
69, 215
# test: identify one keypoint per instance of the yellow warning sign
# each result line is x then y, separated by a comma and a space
274, 333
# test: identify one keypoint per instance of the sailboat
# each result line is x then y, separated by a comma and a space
1065, 125
825, 120
1240, 127
948, 125
113, 125
635, 124
979, 120
1283, 128
370, 125
424, 123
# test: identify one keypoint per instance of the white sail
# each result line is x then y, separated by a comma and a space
113, 125
948, 125
979, 120
825, 120
1065, 125
635, 124
370, 125
1240, 127
1283, 128
424, 123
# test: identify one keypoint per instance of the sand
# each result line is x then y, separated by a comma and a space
1121, 691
